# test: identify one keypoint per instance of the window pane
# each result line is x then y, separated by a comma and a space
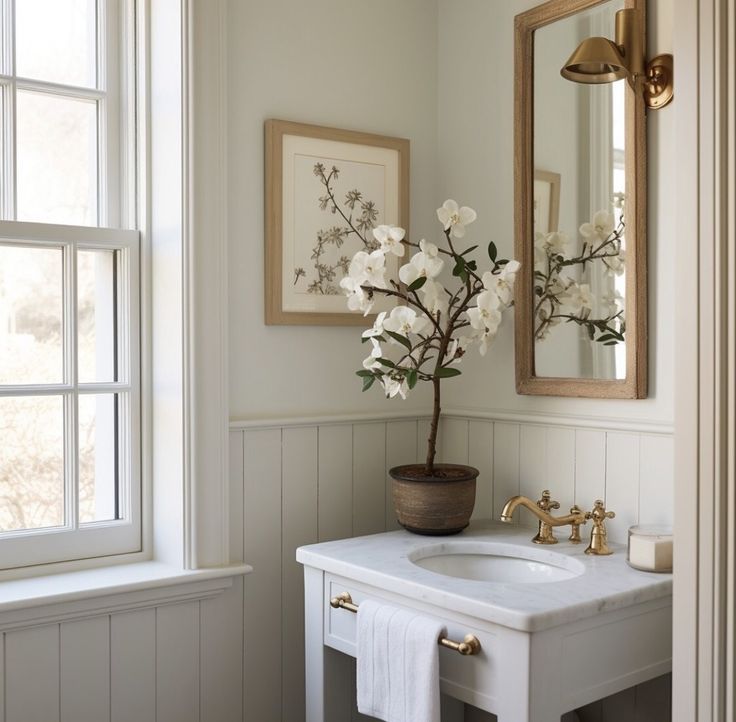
98, 469
96, 315
56, 41
57, 159
31, 462
31, 315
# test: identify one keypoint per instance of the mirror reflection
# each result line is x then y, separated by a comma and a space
579, 208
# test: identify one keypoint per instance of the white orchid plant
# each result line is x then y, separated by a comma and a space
560, 298
425, 336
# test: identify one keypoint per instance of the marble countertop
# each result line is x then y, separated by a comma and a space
384, 561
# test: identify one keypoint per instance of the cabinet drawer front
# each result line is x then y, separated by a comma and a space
473, 679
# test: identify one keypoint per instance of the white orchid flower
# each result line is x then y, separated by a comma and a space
371, 363
358, 299
377, 328
404, 320
426, 263
452, 216
486, 315
486, 340
392, 387
390, 238
368, 267
435, 298
502, 284
599, 228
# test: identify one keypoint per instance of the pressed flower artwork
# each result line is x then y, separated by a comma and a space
330, 194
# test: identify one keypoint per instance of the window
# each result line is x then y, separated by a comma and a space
69, 287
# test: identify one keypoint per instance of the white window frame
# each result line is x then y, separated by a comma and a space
72, 541
117, 205
111, 43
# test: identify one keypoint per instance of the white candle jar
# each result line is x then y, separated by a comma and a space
650, 548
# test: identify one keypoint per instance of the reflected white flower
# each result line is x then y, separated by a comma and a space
599, 228
390, 238
452, 216
615, 265
576, 298
612, 303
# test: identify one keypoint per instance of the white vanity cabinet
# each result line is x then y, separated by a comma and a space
546, 648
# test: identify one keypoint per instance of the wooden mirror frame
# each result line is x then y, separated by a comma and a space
634, 386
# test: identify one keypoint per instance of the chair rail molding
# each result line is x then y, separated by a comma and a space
705, 496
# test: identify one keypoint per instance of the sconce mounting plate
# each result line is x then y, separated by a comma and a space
658, 82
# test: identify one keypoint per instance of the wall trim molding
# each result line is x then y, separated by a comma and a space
705, 306
511, 417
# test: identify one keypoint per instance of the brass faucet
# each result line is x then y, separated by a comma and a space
575, 518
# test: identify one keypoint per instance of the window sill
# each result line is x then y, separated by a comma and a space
115, 588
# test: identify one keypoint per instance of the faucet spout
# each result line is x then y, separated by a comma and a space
575, 518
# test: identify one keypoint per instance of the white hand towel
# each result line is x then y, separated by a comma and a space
398, 664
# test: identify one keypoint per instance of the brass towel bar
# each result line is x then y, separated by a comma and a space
470, 645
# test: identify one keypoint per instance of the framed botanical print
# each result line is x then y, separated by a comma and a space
326, 190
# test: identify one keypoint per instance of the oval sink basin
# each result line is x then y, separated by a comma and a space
496, 562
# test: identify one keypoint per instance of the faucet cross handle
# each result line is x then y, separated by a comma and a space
546, 503
544, 533
598, 535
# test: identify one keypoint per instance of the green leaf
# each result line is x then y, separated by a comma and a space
611, 343
492, 251
447, 372
364, 373
403, 340
386, 362
411, 378
368, 382
459, 268
416, 285
472, 265
591, 332
470, 250
606, 337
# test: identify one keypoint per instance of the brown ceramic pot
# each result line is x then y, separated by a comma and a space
436, 505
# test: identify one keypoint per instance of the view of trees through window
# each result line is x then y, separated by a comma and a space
32, 456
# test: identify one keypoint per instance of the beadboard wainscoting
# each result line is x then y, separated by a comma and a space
170, 654
300, 481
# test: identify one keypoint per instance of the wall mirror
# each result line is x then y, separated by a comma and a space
580, 220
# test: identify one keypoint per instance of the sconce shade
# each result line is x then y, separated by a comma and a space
596, 60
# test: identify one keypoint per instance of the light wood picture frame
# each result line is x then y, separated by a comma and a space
546, 201
634, 385
302, 274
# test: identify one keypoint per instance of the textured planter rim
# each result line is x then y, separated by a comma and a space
434, 504
397, 473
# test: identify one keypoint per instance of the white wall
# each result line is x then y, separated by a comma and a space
346, 64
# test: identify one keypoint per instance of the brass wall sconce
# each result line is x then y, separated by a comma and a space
600, 60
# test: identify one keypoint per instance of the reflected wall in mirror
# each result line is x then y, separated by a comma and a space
580, 205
